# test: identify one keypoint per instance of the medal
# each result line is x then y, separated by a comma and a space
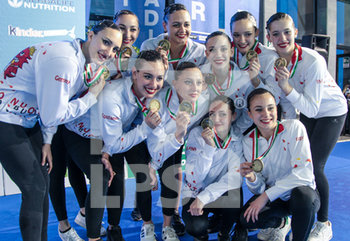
154, 105
126, 51
91, 77
186, 106
280, 62
206, 122
209, 78
164, 44
257, 165
251, 54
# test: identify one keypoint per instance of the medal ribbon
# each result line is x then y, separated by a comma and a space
236, 55
222, 144
139, 103
89, 78
168, 96
255, 144
183, 54
216, 86
295, 59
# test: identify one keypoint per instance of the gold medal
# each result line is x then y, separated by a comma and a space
251, 54
186, 106
206, 122
209, 78
105, 73
164, 44
257, 165
126, 51
154, 105
280, 62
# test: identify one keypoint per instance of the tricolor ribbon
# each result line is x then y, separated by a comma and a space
236, 55
222, 144
216, 87
139, 103
172, 114
256, 144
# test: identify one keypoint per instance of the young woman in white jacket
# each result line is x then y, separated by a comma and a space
212, 179
278, 171
41, 86
309, 87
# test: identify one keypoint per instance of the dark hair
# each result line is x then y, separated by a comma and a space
243, 15
104, 24
227, 100
124, 12
277, 16
218, 33
149, 56
183, 66
258, 91
172, 8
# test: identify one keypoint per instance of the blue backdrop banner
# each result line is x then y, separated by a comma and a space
204, 17
25, 22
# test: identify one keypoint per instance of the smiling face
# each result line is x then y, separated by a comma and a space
243, 35
129, 25
189, 84
148, 79
263, 112
219, 51
103, 46
178, 27
222, 117
282, 34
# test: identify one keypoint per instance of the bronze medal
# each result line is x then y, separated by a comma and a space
154, 105
209, 78
164, 44
186, 106
257, 165
126, 51
206, 122
251, 54
280, 62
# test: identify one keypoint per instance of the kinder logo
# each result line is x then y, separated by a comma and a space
15, 3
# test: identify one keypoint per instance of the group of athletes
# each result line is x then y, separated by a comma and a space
237, 109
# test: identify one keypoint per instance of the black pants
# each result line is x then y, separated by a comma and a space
168, 176
138, 159
302, 205
323, 134
62, 160
79, 149
228, 205
20, 155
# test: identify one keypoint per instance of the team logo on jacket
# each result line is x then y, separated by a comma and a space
18, 61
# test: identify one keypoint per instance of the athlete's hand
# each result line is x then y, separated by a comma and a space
46, 158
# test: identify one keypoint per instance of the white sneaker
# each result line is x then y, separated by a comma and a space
264, 234
80, 220
70, 235
279, 234
147, 233
321, 231
168, 234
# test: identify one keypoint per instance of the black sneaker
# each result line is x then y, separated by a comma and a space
177, 224
136, 215
114, 234
241, 234
223, 237
215, 222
